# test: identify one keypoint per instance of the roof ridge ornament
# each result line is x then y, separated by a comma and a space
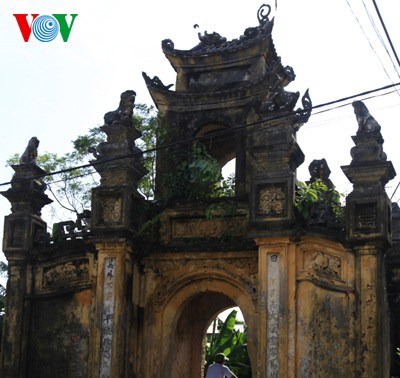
156, 82
262, 14
212, 39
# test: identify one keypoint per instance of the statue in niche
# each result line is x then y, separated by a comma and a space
30, 154
124, 112
366, 123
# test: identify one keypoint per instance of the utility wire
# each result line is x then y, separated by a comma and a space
386, 32
381, 39
218, 133
369, 41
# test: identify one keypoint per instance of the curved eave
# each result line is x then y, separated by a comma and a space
227, 55
189, 101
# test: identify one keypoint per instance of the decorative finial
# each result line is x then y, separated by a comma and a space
30, 154
262, 14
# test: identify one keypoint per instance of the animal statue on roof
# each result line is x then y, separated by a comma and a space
30, 154
366, 123
124, 112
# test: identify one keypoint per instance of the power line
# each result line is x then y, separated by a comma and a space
369, 41
218, 133
381, 39
386, 32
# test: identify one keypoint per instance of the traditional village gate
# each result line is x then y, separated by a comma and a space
133, 295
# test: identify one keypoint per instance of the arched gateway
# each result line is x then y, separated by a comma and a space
133, 296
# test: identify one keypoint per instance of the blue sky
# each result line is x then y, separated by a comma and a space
57, 91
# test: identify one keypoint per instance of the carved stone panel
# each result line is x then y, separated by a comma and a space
21, 232
169, 271
326, 267
111, 212
17, 233
67, 273
271, 200
188, 228
182, 227
366, 218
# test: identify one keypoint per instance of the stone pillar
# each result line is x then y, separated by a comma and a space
23, 231
276, 262
372, 352
369, 229
273, 156
113, 310
115, 218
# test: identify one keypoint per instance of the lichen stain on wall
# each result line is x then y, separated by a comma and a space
324, 332
59, 345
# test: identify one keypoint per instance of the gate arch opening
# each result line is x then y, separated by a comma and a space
227, 334
198, 306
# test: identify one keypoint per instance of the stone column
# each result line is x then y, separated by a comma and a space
23, 231
276, 311
273, 156
115, 218
113, 314
369, 230
373, 354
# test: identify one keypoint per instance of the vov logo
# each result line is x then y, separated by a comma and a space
45, 28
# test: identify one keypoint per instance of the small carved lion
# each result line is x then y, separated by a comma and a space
30, 154
125, 109
366, 123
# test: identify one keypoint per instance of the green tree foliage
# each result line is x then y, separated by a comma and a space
231, 342
198, 176
70, 189
148, 122
308, 195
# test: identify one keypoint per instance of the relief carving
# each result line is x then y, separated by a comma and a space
243, 270
206, 228
272, 200
18, 235
162, 267
366, 218
112, 210
70, 272
260, 162
249, 264
326, 266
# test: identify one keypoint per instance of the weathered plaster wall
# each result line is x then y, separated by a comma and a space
325, 332
59, 336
